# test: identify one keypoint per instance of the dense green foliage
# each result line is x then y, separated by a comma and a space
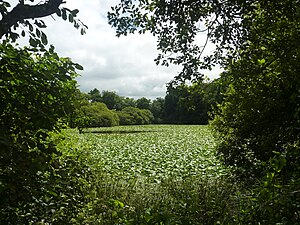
37, 93
183, 104
258, 122
135, 116
112, 100
192, 104
97, 114
38, 183
157, 108
93, 111
260, 115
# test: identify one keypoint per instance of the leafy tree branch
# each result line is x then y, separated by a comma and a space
29, 16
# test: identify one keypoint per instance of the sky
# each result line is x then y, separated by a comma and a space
124, 65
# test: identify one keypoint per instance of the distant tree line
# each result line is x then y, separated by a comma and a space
183, 104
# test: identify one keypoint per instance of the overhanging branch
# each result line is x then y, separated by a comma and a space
22, 11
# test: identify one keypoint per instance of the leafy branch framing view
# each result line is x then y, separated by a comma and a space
48, 177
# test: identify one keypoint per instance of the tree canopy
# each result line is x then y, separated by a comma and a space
232, 25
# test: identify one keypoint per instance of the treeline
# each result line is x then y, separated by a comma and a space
183, 104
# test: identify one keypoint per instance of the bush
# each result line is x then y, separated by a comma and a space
37, 92
258, 117
125, 118
97, 114
135, 116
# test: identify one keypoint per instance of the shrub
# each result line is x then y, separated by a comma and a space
135, 116
37, 91
97, 114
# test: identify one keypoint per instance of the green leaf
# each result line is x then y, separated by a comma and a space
71, 19
53, 193
6, 4
58, 12
30, 27
33, 42
78, 66
40, 24
261, 61
38, 32
74, 12
44, 39
64, 14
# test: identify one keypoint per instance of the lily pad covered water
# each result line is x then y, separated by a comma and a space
153, 174
157, 152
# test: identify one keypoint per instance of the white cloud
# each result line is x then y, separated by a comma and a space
124, 64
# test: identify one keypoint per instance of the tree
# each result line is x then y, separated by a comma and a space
259, 117
126, 118
177, 24
173, 113
37, 94
200, 100
158, 110
111, 99
29, 16
95, 95
96, 114
213, 93
135, 116
143, 103
258, 122
126, 102
186, 105
77, 119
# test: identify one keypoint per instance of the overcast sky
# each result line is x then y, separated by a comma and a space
125, 65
